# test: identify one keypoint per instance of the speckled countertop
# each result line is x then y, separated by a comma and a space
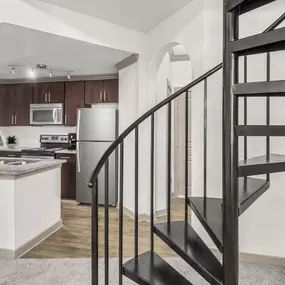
67, 151
35, 166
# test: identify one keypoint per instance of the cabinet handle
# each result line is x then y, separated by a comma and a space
101, 97
65, 119
64, 157
49, 97
45, 97
12, 120
105, 96
15, 119
11, 155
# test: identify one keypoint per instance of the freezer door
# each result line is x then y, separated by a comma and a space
88, 155
96, 124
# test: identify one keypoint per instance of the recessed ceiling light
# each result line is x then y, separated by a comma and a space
32, 73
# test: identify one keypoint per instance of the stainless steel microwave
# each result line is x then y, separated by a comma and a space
46, 114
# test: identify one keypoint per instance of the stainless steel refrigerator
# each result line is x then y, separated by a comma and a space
97, 128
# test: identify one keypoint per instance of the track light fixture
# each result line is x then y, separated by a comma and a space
50, 74
68, 76
13, 70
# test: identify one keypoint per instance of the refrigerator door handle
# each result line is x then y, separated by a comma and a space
78, 157
78, 124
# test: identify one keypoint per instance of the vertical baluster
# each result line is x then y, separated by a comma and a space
245, 108
205, 135
152, 184
268, 75
169, 164
106, 222
186, 152
94, 233
121, 213
136, 191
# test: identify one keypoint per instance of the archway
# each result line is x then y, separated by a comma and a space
173, 70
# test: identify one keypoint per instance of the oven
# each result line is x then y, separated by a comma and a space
46, 114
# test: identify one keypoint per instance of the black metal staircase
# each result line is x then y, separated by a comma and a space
219, 217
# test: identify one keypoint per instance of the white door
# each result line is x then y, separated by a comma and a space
179, 145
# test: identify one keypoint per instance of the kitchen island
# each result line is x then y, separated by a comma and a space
30, 209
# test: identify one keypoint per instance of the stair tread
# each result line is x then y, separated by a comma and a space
262, 165
251, 130
265, 42
150, 269
264, 88
209, 213
246, 5
182, 238
250, 189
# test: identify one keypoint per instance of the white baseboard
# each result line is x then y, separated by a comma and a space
144, 217
20, 251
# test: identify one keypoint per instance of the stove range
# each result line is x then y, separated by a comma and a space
49, 145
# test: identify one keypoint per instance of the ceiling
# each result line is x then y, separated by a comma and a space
139, 15
29, 47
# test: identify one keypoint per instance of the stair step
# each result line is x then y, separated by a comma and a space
150, 269
250, 189
266, 42
246, 5
182, 238
258, 131
209, 213
262, 165
267, 88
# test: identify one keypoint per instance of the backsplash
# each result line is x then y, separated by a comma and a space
30, 136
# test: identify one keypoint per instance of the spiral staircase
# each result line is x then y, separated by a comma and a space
219, 217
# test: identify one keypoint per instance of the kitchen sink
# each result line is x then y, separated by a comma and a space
16, 161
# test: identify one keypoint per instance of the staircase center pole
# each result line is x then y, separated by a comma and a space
230, 180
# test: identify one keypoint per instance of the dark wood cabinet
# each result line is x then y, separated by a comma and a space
23, 99
50, 92
15, 103
94, 92
10, 154
111, 91
74, 99
68, 176
102, 91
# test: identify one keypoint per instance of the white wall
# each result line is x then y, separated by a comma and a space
30, 136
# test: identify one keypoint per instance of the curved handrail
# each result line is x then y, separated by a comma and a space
116, 143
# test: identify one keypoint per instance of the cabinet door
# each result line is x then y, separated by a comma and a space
68, 176
10, 154
41, 91
23, 99
7, 105
56, 92
94, 92
74, 99
111, 91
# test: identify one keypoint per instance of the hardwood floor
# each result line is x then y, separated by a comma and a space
74, 239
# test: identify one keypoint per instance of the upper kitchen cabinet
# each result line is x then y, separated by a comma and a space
111, 91
49, 92
23, 99
94, 92
74, 99
7, 105
15, 103
98, 91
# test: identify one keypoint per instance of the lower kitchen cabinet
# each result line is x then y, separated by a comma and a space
68, 176
10, 154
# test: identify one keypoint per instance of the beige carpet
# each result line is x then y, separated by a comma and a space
77, 272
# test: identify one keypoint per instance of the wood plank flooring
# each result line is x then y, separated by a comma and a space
74, 239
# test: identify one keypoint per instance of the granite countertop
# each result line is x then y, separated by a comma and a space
67, 151
16, 149
29, 168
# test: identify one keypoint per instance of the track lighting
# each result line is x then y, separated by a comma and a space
50, 74
13, 70
68, 76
